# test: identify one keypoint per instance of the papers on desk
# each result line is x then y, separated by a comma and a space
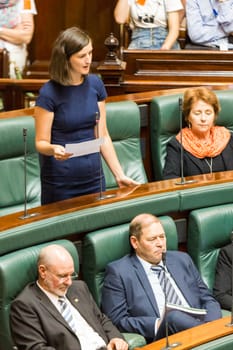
187, 309
83, 148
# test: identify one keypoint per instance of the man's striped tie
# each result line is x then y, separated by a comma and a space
166, 285
66, 313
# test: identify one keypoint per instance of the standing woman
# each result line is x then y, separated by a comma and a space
66, 112
16, 31
155, 23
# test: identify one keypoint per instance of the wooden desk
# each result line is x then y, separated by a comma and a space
195, 336
90, 201
157, 69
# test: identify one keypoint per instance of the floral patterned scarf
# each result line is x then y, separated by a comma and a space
218, 140
7, 3
9, 14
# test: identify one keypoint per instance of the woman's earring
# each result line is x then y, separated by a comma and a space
189, 125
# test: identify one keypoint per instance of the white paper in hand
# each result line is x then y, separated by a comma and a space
83, 148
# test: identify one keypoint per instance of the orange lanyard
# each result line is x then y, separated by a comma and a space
141, 2
27, 5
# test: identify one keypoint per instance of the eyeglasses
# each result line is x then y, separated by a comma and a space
61, 278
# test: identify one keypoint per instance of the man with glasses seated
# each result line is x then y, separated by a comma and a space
56, 312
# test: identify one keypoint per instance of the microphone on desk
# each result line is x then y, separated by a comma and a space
101, 195
174, 345
182, 180
231, 322
25, 215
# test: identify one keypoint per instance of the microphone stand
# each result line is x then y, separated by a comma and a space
26, 215
101, 195
182, 180
167, 346
231, 323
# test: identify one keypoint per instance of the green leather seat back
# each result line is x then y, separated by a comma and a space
224, 343
165, 123
12, 165
208, 230
123, 121
103, 246
17, 269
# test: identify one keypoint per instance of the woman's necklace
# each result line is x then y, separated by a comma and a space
210, 164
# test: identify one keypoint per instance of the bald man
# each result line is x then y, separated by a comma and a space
36, 314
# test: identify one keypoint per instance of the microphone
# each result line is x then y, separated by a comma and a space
26, 215
101, 195
231, 322
182, 180
167, 346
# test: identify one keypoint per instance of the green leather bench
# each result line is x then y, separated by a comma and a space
224, 343
12, 148
207, 196
165, 123
20, 268
103, 246
123, 120
208, 230
83, 221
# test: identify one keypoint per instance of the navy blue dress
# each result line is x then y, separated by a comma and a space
74, 110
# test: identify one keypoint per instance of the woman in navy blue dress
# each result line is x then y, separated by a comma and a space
66, 112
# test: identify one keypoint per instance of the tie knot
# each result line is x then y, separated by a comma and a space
61, 300
157, 269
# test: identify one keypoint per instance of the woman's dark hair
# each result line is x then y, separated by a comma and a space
192, 95
68, 42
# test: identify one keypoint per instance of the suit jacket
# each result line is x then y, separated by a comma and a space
128, 299
223, 279
194, 165
36, 324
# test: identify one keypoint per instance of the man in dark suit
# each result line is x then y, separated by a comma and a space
36, 316
223, 279
133, 297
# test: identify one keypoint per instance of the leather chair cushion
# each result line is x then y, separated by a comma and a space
208, 230
12, 165
123, 120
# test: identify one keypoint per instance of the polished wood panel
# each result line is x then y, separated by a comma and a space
4, 63
56, 15
146, 97
195, 336
146, 69
120, 195
187, 64
15, 91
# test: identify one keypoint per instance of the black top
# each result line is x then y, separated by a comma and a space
223, 281
193, 165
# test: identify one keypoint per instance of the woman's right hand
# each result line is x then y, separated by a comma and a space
60, 153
